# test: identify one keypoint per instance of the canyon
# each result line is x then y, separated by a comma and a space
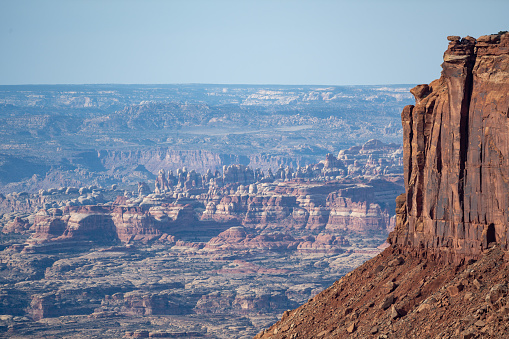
214, 211
214, 254
81, 135
446, 271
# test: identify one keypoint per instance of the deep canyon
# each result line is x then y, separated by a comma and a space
188, 210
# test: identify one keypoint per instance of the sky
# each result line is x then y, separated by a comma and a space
298, 42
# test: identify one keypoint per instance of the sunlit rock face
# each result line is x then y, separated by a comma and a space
446, 273
456, 154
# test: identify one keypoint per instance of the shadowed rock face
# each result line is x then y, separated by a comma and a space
456, 154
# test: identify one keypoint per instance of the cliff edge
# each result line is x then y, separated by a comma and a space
446, 273
456, 155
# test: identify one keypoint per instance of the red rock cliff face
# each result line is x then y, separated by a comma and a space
456, 144
456, 155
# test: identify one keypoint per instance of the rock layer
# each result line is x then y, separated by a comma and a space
456, 154
454, 211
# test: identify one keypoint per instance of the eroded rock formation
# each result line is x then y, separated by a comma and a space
236, 246
446, 273
456, 154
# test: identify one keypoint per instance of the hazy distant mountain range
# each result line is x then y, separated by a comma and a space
69, 128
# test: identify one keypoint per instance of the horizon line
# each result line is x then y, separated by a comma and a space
202, 84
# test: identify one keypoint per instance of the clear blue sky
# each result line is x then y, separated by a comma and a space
322, 42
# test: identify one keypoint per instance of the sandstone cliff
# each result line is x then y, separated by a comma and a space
456, 154
446, 273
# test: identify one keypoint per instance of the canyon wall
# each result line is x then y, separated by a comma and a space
320, 208
446, 274
456, 155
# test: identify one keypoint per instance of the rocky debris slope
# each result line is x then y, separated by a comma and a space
446, 273
397, 296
